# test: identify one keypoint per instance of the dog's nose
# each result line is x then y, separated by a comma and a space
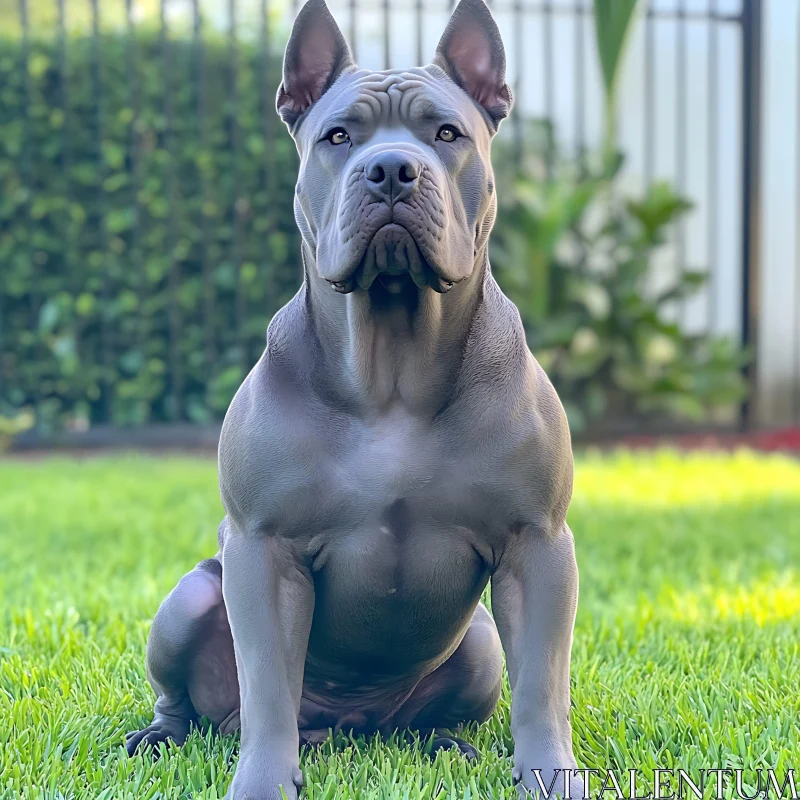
393, 175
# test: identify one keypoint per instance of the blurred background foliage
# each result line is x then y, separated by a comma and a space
578, 259
143, 250
147, 236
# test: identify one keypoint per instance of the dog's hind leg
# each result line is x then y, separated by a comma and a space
190, 661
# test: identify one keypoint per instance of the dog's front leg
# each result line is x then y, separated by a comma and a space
270, 603
534, 599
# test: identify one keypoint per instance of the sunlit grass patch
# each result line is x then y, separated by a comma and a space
668, 478
767, 600
686, 654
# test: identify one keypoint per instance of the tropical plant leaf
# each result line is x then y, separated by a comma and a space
612, 22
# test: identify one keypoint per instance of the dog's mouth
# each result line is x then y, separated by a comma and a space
393, 257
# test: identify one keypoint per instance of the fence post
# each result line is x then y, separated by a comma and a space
239, 206
25, 166
418, 23
712, 156
751, 194
106, 346
353, 30
174, 316
796, 344
133, 57
519, 66
209, 290
387, 36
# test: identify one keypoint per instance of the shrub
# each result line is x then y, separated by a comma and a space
145, 239
577, 257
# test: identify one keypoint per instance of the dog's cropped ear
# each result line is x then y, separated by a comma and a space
471, 52
315, 57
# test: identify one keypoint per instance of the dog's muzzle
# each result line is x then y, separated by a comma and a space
392, 179
393, 251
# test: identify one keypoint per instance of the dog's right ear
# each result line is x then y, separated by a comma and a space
315, 57
471, 52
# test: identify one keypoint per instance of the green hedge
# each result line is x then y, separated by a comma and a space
147, 237
146, 226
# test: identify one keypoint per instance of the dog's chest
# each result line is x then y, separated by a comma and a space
386, 459
398, 534
397, 474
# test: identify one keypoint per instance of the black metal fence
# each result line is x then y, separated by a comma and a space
697, 124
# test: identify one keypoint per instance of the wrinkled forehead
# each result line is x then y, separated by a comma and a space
367, 100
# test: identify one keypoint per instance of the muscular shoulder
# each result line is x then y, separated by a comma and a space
502, 379
266, 448
512, 414
547, 459
537, 451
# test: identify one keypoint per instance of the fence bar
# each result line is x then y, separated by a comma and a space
797, 239
580, 79
173, 275
238, 208
135, 156
209, 291
650, 92
267, 119
387, 38
106, 348
25, 164
267, 97
418, 16
549, 83
680, 134
25, 152
65, 167
712, 148
25, 55
64, 160
354, 29
751, 188
519, 43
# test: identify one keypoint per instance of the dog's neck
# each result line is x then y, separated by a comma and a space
382, 350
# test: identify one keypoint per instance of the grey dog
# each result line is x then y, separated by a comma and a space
395, 449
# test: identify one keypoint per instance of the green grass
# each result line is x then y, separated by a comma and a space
687, 644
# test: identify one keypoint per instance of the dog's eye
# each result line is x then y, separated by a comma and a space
338, 136
447, 133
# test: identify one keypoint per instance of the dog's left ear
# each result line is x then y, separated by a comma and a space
316, 56
471, 52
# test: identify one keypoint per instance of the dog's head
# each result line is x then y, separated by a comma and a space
395, 176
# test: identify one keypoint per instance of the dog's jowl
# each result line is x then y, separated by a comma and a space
396, 448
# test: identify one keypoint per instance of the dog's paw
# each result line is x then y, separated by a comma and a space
265, 781
454, 743
169, 730
547, 771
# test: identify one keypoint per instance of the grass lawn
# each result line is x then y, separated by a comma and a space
686, 654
